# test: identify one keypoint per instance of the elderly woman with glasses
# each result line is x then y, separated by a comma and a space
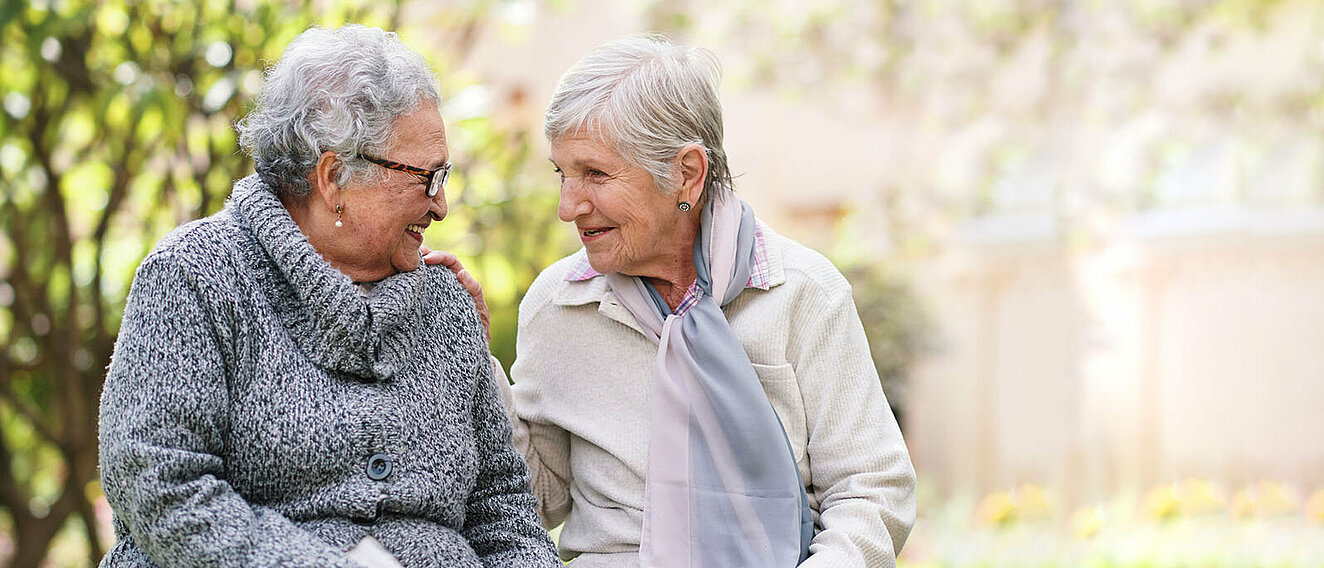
290, 387
691, 388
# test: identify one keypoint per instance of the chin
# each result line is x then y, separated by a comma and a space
603, 264
406, 261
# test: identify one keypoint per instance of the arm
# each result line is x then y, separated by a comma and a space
499, 523
163, 423
551, 475
859, 465
545, 448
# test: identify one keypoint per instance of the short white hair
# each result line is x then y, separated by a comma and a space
333, 89
647, 98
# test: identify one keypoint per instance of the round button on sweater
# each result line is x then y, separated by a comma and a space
379, 467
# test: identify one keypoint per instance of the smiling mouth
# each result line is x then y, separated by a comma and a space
416, 230
589, 233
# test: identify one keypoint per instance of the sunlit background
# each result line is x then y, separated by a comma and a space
1086, 238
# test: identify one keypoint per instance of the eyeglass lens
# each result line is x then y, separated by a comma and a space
438, 181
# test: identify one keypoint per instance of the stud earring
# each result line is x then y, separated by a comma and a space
340, 208
684, 206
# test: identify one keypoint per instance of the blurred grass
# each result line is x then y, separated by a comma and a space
1189, 524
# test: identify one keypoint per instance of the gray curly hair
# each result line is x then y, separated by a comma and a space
647, 98
333, 89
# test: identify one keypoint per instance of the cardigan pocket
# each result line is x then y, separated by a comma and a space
783, 390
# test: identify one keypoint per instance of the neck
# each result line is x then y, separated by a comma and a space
672, 287
673, 277
319, 227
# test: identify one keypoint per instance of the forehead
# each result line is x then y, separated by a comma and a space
420, 138
583, 148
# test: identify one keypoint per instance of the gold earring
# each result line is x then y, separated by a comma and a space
340, 208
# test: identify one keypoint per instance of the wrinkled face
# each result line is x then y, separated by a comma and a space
385, 216
625, 223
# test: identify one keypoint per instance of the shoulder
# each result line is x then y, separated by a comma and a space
807, 272
447, 310
549, 284
199, 243
446, 289
202, 250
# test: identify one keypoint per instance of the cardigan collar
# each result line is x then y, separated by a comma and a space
331, 321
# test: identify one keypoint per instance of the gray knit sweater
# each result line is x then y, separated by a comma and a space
259, 410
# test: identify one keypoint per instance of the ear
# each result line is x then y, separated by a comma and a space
693, 172
324, 177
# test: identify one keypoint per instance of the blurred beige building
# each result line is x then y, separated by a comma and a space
1115, 214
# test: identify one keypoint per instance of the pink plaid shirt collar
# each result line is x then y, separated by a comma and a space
759, 277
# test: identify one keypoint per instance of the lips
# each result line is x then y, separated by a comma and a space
590, 233
416, 231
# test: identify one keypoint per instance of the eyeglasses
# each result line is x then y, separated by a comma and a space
435, 183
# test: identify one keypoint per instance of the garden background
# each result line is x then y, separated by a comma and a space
1086, 237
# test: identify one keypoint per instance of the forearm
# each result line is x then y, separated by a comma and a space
862, 525
500, 523
181, 513
548, 473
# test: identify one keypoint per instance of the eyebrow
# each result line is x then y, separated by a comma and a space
581, 163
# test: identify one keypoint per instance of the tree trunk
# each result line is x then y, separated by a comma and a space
32, 539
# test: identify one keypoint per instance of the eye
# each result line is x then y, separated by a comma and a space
595, 173
559, 173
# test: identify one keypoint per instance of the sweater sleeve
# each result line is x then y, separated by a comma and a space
546, 449
164, 414
859, 467
499, 522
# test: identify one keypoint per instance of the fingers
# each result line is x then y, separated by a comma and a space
476, 291
434, 257
470, 284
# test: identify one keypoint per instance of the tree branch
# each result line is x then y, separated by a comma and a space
12, 496
30, 414
118, 192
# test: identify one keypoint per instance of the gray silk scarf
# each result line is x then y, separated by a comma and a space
722, 489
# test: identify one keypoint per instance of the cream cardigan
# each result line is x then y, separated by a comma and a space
580, 409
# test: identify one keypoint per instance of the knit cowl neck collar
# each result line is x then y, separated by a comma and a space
328, 317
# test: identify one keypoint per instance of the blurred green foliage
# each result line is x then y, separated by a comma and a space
117, 128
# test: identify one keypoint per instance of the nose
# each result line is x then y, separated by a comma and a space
574, 203
438, 208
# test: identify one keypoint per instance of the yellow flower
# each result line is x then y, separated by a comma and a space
1200, 497
1243, 504
1085, 523
1162, 502
1277, 499
1033, 502
1267, 499
1315, 506
997, 509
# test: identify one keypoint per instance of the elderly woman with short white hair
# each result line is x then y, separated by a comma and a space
691, 388
289, 387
